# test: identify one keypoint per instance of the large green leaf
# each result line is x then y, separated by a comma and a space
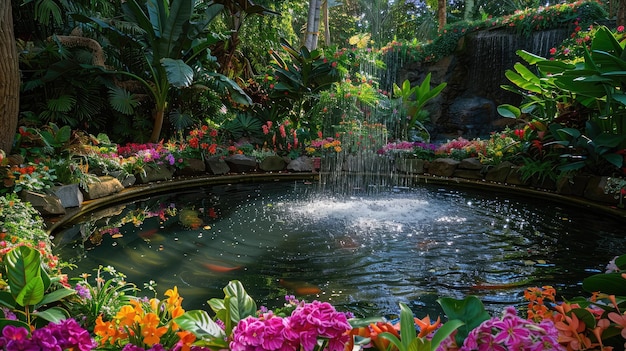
518, 80
233, 89
56, 295
200, 324
509, 111
446, 330
242, 305
470, 311
172, 31
620, 262
608, 283
53, 315
179, 74
32, 293
24, 275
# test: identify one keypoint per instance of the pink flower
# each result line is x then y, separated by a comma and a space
620, 29
553, 51
264, 333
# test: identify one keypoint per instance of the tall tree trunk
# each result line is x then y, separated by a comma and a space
312, 25
326, 24
441, 13
9, 78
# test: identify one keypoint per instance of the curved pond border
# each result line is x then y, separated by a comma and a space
176, 184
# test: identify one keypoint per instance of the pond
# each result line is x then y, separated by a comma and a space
362, 252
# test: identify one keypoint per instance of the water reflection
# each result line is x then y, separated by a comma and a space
363, 252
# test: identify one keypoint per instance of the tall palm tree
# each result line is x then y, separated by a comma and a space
9, 78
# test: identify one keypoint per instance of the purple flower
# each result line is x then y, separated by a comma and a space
83, 292
8, 314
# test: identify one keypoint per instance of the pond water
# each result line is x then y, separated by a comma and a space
363, 252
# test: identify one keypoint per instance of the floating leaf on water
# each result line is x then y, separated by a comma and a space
117, 235
207, 227
541, 261
529, 263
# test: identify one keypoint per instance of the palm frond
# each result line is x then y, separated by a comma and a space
45, 10
122, 100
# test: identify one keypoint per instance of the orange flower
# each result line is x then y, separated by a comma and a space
378, 328
152, 335
150, 320
570, 332
186, 339
127, 315
425, 326
106, 330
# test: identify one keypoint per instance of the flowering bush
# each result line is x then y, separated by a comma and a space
145, 324
148, 154
461, 148
509, 332
500, 147
311, 326
425, 151
21, 224
64, 335
321, 145
33, 176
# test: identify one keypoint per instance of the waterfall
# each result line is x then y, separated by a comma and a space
491, 53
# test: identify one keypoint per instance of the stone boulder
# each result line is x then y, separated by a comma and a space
106, 186
154, 174
241, 163
70, 195
272, 164
595, 191
216, 165
499, 173
47, 205
301, 164
193, 166
443, 167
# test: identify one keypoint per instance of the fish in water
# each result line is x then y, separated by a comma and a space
219, 267
299, 287
151, 235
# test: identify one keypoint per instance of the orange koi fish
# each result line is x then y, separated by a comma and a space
219, 268
300, 287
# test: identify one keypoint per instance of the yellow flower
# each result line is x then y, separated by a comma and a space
337, 148
174, 298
